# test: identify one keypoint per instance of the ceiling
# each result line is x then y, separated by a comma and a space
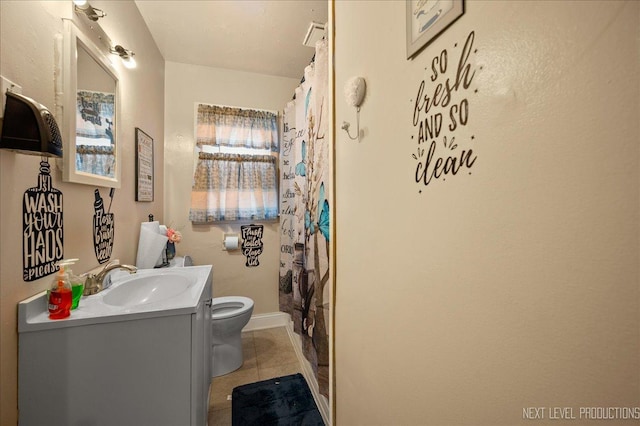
261, 36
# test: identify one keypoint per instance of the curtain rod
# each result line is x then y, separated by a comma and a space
237, 107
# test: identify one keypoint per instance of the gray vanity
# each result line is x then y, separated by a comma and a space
114, 363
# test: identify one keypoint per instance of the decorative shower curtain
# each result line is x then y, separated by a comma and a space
304, 215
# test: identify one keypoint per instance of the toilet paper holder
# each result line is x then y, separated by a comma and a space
230, 242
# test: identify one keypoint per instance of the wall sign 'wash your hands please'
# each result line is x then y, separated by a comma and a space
42, 231
440, 110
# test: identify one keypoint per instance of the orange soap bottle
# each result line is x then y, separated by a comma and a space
60, 296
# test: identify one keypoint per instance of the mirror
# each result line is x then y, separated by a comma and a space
89, 110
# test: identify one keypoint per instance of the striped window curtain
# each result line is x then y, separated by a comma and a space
97, 160
230, 186
236, 128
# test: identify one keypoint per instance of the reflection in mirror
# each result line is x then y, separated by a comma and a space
95, 118
90, 112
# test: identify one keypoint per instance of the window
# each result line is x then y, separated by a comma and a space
235, 176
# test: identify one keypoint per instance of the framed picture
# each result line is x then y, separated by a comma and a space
144, 166
426, 19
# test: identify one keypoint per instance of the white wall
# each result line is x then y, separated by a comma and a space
27, 31
185, 85
514, 283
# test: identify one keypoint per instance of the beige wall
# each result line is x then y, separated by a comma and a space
27, 30
185, 85
513, 286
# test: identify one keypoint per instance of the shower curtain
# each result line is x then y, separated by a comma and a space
305, 278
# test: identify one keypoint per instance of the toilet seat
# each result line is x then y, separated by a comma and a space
230, 306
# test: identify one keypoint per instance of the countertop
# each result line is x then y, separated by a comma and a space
33, 314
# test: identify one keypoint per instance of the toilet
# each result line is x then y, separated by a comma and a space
229, 315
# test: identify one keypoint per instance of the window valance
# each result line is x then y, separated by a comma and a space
235, 127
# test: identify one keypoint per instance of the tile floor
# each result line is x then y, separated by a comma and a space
267, 353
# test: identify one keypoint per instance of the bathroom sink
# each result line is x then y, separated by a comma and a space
144, 289
149, 293
163, 329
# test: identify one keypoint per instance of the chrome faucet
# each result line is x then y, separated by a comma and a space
95, 283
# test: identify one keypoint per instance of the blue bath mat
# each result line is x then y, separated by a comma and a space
279, 401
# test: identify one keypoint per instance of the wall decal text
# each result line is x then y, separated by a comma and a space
42, 231
103, 230
252, 243
439, 112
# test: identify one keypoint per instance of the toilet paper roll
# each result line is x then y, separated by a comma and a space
231, 242
151, 226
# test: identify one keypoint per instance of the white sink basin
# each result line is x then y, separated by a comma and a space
140, 290
149, 293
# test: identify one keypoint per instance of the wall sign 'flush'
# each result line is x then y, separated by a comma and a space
252, 243
103, 230
42, 232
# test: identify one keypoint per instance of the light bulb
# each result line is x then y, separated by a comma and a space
129, 62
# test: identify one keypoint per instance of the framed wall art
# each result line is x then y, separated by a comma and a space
144, 166
426, 19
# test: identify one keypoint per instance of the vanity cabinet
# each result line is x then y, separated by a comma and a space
151, 369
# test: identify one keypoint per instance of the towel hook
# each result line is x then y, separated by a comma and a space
354, 91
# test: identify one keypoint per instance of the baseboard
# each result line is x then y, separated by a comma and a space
307, 371
269, 320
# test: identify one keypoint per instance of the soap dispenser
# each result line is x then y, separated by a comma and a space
60, 294
77, 282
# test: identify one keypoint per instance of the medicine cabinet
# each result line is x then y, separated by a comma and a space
90, 104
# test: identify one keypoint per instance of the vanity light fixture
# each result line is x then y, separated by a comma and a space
126, 55
92, 13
